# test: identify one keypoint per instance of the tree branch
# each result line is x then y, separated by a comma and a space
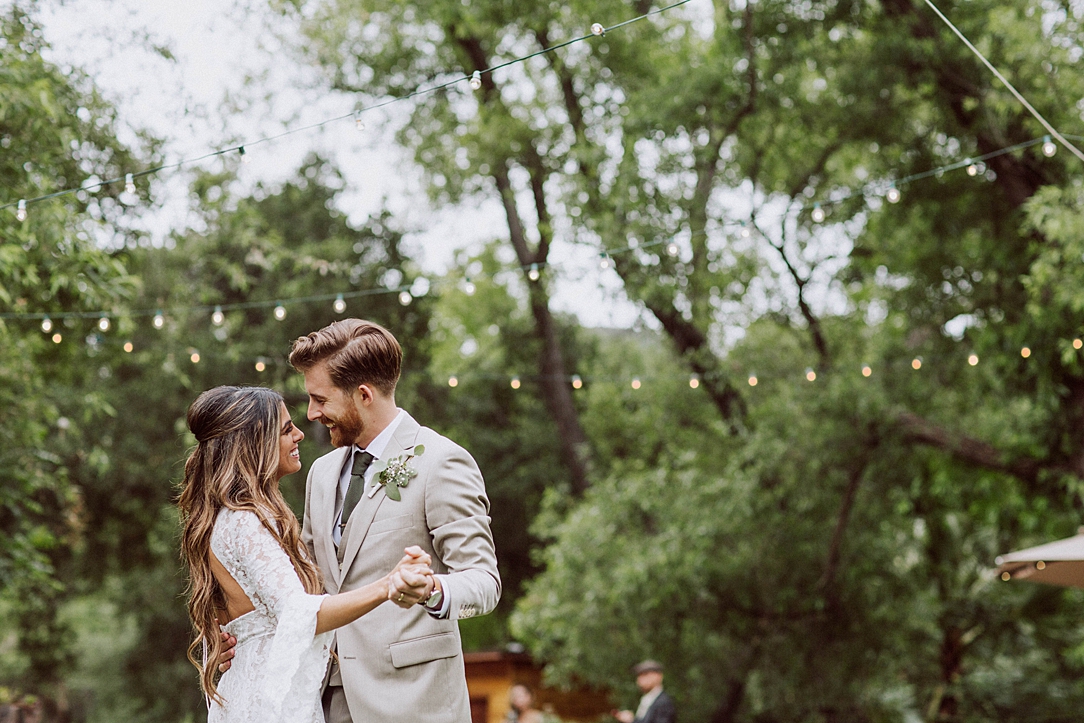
974, 451
854, 480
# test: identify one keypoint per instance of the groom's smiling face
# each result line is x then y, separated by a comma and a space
333, 407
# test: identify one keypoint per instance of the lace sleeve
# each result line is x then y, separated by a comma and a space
298, 657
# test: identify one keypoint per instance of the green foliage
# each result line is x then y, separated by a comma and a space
55, 131
837, 544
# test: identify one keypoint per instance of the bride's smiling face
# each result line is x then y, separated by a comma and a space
289, 436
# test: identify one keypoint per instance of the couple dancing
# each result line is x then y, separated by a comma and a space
350, 616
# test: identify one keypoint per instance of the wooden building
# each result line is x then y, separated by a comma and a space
491, 675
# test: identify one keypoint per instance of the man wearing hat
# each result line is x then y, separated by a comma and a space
655, 705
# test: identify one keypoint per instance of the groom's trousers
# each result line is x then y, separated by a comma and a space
335, 709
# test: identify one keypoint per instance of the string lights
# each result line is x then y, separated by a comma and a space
974, 167
474, 80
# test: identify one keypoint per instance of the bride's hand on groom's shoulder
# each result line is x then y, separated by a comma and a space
412, 579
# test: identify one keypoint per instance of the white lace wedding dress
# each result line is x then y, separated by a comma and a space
279, 662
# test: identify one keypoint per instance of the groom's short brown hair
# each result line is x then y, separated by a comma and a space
356, 352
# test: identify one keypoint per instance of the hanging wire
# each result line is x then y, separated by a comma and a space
353, 115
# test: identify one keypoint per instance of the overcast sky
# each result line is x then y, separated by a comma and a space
224, 80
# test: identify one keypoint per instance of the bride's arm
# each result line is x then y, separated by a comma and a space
346, 607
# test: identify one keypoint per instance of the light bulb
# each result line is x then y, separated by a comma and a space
195, 357
818, 213
811, 375
159, 320
515, 382
597, 29
405, 298
260, 365
635, 383
241, 152
973, 359
57, 338
129, 183
916, 363
46, 324
218, 317
604, 261
339, 305
753, 381
280, 312
103, 323
744, 230
672, 249
128, 347
1025, 352
358, 123
453, 381
866, 370
468, 287
577, 381
20, 210
972, 170
476, 80
1077, 343
533, 273
893, 194
1049, 147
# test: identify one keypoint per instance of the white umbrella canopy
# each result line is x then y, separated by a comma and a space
1055, 563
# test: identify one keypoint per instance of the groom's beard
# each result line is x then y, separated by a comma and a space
347, 428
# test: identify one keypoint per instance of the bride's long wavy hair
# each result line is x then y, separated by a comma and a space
233, 466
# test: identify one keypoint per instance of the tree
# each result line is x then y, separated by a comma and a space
697, 131
466, 148
55, 131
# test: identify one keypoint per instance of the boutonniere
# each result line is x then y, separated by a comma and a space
396, 473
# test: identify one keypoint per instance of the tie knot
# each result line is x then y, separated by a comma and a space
362, 460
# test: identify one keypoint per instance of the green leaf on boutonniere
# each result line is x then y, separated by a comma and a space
392, 491
419, 450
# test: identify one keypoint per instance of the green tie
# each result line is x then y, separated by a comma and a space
362, 460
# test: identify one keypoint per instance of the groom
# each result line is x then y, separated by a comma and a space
391, 484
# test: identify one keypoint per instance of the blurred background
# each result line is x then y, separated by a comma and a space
762, 319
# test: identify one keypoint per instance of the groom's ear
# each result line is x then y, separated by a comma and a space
365, 394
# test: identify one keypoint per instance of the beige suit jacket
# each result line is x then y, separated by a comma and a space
404, 665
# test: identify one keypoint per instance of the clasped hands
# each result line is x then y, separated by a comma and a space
412, 580
410, 583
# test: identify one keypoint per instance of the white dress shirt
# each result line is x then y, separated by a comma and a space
646, 701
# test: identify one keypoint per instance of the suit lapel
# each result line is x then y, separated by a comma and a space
362, 518
324, 515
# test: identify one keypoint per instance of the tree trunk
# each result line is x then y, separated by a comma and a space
556, 389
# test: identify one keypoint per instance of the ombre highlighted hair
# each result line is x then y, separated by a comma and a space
233, 466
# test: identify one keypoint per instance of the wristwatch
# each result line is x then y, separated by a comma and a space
434, 600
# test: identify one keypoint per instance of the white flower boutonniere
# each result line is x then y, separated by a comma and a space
397, 472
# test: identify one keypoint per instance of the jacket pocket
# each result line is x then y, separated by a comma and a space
390, 524
423, 650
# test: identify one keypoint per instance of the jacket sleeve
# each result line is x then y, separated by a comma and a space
457, 513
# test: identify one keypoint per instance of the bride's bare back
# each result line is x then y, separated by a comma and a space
237, 602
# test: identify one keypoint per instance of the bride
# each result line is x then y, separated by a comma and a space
247, 565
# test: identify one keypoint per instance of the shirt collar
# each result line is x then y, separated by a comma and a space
381, 441
651, 695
